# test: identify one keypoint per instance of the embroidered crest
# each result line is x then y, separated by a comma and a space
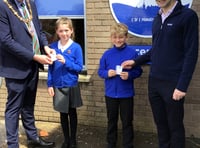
68, 51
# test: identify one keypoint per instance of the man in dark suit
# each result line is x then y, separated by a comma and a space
0, 82
19, 65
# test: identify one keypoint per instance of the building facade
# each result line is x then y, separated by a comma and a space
98, 19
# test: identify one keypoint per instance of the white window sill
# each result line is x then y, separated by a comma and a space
82, 78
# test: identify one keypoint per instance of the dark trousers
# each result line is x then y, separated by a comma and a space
124, 108
21, 101
168, 114
69, 135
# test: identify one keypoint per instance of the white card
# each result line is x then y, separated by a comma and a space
118, 69
53, 57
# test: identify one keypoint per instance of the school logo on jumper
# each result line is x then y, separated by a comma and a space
138, 15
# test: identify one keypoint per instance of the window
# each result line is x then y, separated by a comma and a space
49, 28
48, 15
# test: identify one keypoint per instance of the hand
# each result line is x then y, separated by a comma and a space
60, 58
124, 75
51, 91
43, 59
49, 51
111, 73
128, 64
178, 95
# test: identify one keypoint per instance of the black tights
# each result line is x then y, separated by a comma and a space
70, 136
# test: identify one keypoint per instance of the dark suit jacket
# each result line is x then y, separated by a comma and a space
16, 51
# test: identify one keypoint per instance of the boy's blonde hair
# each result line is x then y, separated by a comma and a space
119, 29
65, 20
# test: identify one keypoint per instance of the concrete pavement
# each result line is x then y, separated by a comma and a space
88, 137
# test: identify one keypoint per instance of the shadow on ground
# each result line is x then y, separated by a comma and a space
90, 137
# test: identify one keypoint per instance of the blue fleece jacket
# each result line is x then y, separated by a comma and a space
115, 87
65, 75
174, 47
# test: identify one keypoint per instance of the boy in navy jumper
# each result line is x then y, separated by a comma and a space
119, 88
173, 56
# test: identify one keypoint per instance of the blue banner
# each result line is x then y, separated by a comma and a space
141, 49
74, 8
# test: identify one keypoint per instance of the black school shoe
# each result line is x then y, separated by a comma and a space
65, 145
73, 143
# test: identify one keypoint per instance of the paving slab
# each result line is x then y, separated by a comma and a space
89, 137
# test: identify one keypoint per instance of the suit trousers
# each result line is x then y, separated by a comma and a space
124, 108
21, 101
168, 114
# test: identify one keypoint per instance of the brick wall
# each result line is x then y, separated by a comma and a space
98, 22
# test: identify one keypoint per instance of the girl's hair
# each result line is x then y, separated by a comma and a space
65, 20
119, 29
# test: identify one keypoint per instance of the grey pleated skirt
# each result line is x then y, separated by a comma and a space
65, 98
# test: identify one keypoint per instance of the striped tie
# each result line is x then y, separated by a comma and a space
36, 47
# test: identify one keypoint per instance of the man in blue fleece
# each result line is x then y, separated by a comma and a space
173, 56
119, 88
